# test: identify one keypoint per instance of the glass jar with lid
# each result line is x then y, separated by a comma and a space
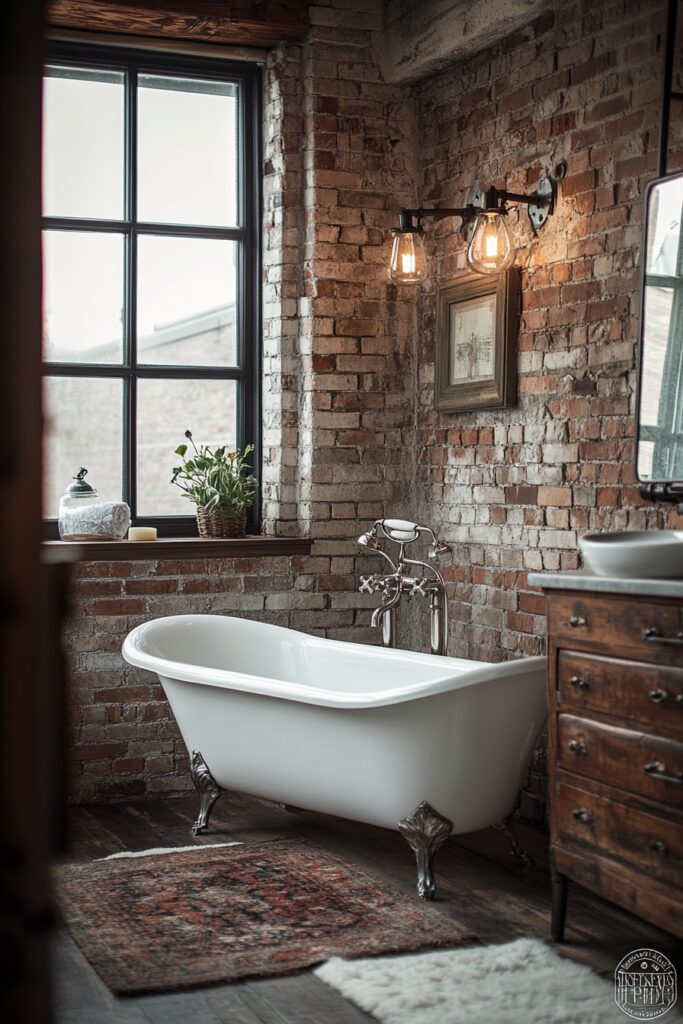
78, 495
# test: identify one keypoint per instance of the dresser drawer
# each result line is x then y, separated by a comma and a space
647, 695
651, 844
585, 621
627, 759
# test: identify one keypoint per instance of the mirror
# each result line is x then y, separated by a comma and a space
659, 414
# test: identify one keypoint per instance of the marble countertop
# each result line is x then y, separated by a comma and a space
581, 579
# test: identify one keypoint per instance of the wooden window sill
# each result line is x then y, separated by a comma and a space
172, 547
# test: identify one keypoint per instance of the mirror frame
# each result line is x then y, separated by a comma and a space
652, 490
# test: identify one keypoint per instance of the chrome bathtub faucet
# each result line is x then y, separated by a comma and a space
400, 581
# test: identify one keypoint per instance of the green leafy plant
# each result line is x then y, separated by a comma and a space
215, 479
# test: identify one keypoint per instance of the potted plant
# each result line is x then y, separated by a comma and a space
219, 483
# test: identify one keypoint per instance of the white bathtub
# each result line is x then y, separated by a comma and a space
347, 729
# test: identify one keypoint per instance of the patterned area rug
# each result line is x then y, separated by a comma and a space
170, 921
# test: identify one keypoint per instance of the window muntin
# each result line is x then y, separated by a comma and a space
150, 324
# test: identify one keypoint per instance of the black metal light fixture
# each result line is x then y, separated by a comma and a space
408, 263
490, 249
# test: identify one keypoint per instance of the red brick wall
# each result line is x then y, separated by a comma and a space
514, 489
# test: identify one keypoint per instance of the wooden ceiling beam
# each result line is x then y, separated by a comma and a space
262, 23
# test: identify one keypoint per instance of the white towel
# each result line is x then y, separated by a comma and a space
107, 521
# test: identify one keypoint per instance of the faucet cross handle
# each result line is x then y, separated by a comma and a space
418, 586
368, 584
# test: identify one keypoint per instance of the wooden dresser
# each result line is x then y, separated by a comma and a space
615, 692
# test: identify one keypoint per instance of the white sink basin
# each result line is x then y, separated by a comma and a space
643, 554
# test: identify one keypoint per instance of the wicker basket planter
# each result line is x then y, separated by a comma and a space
218, 523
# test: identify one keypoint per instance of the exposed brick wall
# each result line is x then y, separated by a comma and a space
513, 489
356, 448
281, 288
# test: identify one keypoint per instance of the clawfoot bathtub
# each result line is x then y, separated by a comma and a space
429, 745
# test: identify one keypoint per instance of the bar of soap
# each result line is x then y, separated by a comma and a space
142, 533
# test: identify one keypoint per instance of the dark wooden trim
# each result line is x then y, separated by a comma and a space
239, 22
174, 547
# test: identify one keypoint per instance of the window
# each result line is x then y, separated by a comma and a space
151, 252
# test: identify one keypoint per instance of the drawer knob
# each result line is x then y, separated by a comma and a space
657, 770
654, 635
658, 696
577, 621
577, 747
658, 846
581, 814
580, 682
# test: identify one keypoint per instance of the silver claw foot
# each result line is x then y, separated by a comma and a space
506, 828
425, 831
206, 787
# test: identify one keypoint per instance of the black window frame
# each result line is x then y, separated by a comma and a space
132, 62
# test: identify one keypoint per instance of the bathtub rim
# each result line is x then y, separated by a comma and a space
459, 677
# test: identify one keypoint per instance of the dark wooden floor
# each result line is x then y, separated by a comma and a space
479, 884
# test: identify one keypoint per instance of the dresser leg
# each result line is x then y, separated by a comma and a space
506, 828
559, 907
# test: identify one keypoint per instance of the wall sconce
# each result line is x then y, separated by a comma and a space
490, 249
408, 263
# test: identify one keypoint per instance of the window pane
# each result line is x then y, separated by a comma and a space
82, 297
186, 301
657, 312
665, 215
83, 427
166, 409
187, 151
83, 143
646, 451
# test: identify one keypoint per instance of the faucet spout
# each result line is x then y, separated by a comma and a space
385, 615
382, 609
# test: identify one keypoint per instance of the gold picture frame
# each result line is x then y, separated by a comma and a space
475, 351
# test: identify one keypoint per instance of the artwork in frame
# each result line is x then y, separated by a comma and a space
476, 342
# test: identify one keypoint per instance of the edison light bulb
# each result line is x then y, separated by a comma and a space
491, 238
490, 251
408, 264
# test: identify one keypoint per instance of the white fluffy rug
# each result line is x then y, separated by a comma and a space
521, 982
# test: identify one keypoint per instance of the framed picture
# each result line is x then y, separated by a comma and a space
476, 342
